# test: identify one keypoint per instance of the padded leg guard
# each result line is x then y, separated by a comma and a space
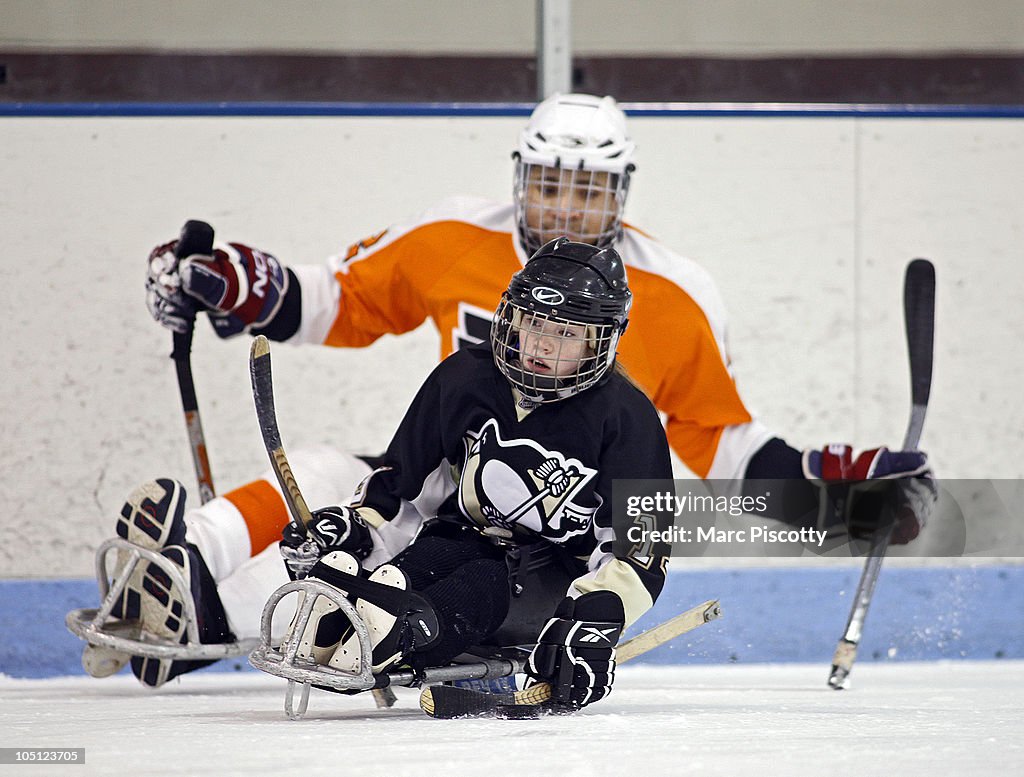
383, 626
326, 625
152, 518
395, 631
153, 515
163, 613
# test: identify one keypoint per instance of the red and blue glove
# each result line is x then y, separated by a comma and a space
242, 288
866, 504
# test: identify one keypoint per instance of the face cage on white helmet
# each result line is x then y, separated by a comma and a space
544, 358
584, 205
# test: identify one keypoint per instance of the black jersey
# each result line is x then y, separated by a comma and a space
467, 452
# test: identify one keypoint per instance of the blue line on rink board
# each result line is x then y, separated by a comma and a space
768, 616
713, 110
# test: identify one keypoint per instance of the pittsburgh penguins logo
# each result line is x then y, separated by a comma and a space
520, 486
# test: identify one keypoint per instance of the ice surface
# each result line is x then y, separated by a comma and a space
928, 718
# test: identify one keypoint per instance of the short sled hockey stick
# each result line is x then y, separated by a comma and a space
263, 396
196, 238
446, 701
919, 319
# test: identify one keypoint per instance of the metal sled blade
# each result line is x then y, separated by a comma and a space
282, 660
100, 628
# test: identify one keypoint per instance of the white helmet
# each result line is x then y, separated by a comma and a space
579, 131
575, 144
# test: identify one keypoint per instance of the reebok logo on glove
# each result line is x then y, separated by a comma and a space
594, 635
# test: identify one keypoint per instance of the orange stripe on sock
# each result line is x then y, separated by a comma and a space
264, 512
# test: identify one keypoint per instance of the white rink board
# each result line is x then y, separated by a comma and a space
914, 720
806, 223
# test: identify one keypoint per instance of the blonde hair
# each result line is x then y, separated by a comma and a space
620, 369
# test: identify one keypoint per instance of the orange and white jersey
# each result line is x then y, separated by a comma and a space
452, 264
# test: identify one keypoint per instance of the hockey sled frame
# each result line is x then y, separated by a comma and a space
283, 660
100, 628
303, 673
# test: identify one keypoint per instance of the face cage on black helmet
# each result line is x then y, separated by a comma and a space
583, 205
548, 358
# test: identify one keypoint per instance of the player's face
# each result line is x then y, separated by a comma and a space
579, 204
552, 348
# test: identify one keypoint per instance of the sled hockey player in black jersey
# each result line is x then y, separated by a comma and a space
506, 457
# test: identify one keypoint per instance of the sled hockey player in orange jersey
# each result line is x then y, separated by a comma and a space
573, 165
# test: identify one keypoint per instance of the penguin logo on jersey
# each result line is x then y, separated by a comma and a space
519, 485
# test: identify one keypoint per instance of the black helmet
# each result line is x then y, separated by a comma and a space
556, 329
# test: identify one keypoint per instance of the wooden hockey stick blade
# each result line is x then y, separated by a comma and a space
449, 701
919, 322
446, 701
263, 396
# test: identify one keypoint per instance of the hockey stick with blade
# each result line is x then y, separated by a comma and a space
919, 319
263, 396
196, 238
446, 701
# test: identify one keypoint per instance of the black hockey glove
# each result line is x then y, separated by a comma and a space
332, 528
877, 489
575, 652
